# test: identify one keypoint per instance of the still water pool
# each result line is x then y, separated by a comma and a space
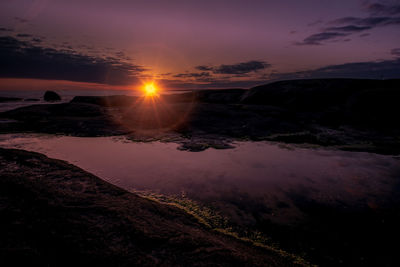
251, 180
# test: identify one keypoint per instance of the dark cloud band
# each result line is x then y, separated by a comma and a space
379, 15
236, 69
22, 59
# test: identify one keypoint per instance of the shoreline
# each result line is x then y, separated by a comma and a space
85, 210
345, 114
217, 119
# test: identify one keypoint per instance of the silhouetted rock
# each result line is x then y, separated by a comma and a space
226, 96
334, 102
51, 96
348, 114
106, 101
221, 96
377, 106
68, 118
313, 94
9, 99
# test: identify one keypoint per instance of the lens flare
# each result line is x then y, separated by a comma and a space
150, 89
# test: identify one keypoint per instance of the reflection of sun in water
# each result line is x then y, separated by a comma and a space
150, 89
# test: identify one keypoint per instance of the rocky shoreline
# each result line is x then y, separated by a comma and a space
354, 115
55, 214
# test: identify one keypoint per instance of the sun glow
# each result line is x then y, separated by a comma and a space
150, 89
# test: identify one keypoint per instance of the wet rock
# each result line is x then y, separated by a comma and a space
55, 214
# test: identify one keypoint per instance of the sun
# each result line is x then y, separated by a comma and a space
150, 89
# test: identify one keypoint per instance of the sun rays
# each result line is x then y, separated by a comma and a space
150, 89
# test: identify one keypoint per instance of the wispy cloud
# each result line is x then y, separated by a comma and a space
381, 9
349, 28
2, 29
192, 75
20, 20
238, 68
380, 15
369, 70
204, 68
387, 69
319, 38
23, 35
395, 52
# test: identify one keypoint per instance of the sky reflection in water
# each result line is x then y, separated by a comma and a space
253, 174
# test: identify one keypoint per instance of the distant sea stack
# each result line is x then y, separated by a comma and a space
51, 96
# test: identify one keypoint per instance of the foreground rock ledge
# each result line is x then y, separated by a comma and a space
56, 214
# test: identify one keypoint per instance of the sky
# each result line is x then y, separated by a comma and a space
194, 44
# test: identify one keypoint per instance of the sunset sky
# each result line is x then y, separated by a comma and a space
194, 44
